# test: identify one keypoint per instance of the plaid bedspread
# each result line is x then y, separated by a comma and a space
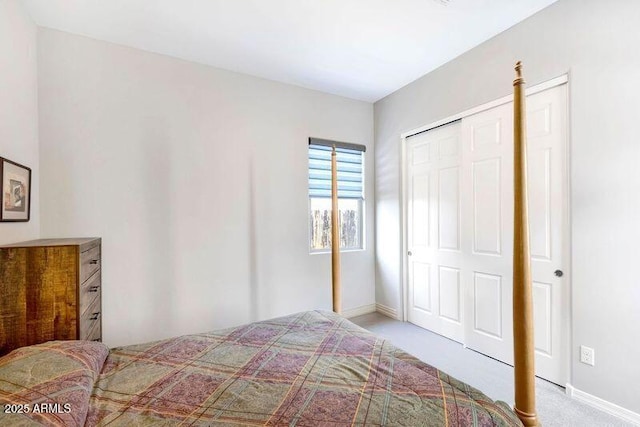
308, 369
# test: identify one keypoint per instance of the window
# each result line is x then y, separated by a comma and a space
350, 162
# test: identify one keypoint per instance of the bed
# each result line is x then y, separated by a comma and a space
309, 369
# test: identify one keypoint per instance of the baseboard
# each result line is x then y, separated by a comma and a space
387, 311
359, 311
603, 405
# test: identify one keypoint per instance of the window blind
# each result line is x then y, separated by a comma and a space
350, 171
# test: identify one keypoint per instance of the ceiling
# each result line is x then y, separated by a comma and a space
361, 49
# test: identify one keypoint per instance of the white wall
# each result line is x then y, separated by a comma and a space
196, 179
597, 43
19, 107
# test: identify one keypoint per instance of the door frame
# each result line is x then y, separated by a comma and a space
557, 81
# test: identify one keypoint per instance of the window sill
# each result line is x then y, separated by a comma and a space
341, 251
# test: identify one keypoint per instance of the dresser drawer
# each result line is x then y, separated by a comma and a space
90, 290
90, 318
95, 334
89, 263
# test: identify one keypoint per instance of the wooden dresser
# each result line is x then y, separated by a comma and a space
50, 289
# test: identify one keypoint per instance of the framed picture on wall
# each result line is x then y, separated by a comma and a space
15, 183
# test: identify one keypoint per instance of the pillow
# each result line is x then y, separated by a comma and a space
49, 384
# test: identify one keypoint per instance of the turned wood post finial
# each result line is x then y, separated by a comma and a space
519, 80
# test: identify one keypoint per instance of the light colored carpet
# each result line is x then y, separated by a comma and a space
494, 378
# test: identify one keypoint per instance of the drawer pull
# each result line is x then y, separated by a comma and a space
94, 261
94, 288
94, 316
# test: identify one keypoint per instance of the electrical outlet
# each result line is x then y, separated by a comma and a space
587, 355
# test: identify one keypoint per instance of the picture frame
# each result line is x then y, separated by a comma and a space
15, 191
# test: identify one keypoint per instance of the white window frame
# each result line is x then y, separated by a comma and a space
361, 201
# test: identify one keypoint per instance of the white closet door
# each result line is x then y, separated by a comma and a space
488, 197
433, 214
460, 230
548, 224
488, 230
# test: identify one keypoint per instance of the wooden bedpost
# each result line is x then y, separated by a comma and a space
335, 235
523, 338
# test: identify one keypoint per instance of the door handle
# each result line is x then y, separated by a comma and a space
558, 273
409, 253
